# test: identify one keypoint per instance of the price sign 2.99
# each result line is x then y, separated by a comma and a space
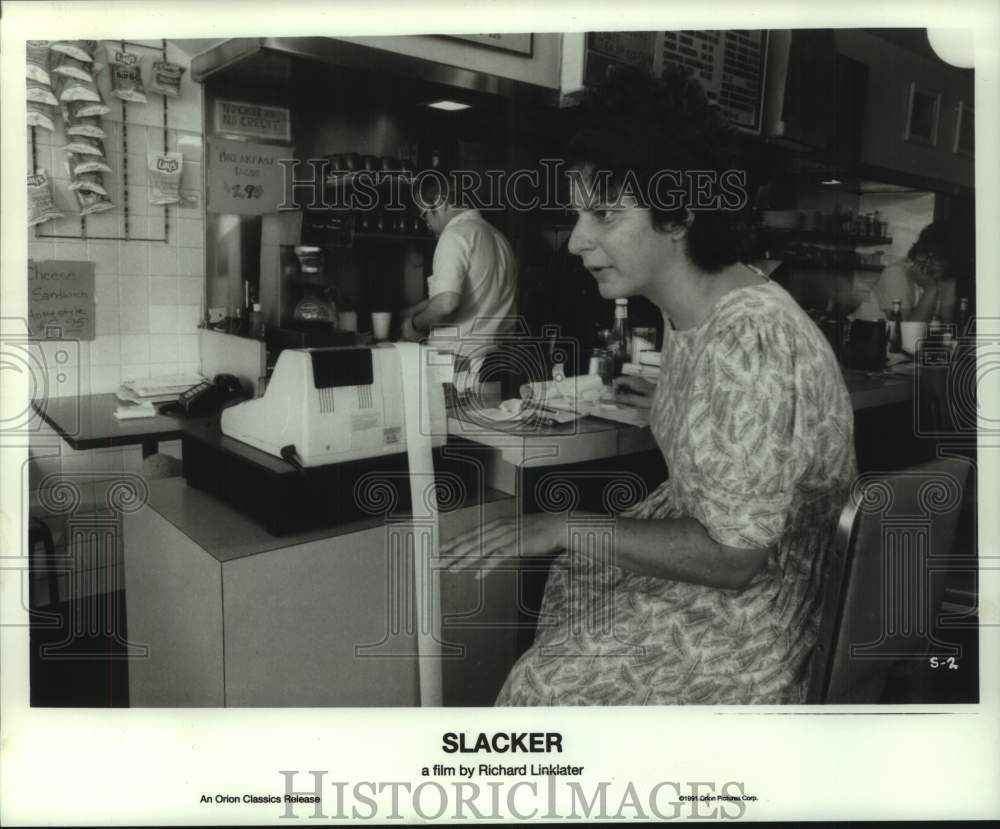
244, 178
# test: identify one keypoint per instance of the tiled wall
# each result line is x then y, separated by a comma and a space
148, 294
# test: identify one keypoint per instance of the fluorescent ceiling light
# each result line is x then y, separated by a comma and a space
448, 106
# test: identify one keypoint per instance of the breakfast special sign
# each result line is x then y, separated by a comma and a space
244, 178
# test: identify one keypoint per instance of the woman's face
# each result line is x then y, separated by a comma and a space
927, 269
620, 247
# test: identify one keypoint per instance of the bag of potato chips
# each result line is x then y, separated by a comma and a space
126, 77
38, 61
41, 204
80, 49
166, 78
165, 178
40, 115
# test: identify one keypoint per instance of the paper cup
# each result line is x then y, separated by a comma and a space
347, 320
381, 320
911, 333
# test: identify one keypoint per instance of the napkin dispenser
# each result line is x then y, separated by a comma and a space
331, 405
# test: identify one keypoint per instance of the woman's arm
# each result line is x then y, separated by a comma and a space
678, 549
926, 307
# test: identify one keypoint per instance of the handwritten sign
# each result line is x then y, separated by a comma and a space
61, 300
253, 120
245, 178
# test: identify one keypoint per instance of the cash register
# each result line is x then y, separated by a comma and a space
330, 421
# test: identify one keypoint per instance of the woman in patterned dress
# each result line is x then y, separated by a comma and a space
710, 591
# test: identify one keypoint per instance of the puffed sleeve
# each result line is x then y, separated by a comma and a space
746, 434
451, 264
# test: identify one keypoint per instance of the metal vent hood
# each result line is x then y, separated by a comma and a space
273, 61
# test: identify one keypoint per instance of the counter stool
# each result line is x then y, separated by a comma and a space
39, 533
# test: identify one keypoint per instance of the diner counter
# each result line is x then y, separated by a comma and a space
592, 438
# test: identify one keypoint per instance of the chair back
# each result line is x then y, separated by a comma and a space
884, 583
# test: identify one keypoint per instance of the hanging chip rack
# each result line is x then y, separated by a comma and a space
84, 236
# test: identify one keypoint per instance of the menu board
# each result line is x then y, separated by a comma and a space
730, 66
60, 300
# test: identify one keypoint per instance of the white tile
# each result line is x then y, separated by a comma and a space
187, 348
162, 320
43, 137
43, 157
188, 144
134, 319
106, 318
134, 290
138, 200
188, 317
105, 225
104, 379
138, 230
68, 249
40, 248
65, 381
106, 288
149, 114
157, 229
60, 353
105, 350
191, 261
185, 113
191, 175
163, 348
136, 372
163, 290
133, 258
191, 291
163, 260
137, 143
135, 349
189, 368
103, 254
190, 233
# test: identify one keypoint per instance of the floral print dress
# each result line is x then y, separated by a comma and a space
756, 427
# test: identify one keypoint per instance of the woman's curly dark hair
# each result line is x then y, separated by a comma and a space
634, 126
952, 241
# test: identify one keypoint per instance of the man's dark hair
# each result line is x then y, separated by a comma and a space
633, 126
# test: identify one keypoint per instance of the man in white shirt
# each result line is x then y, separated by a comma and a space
472, 292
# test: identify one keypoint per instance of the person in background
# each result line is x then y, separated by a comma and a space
473, 288
922, 281
712, 590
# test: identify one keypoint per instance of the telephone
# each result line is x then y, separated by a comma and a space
208, 398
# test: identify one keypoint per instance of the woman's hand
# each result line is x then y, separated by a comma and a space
484, 548
634, 391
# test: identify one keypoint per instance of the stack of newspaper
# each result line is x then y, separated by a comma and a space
161, 389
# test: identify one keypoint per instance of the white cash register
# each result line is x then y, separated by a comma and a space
330, 405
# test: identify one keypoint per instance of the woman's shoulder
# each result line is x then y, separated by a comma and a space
763, 305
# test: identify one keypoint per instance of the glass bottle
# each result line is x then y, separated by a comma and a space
620, 341
895, 327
